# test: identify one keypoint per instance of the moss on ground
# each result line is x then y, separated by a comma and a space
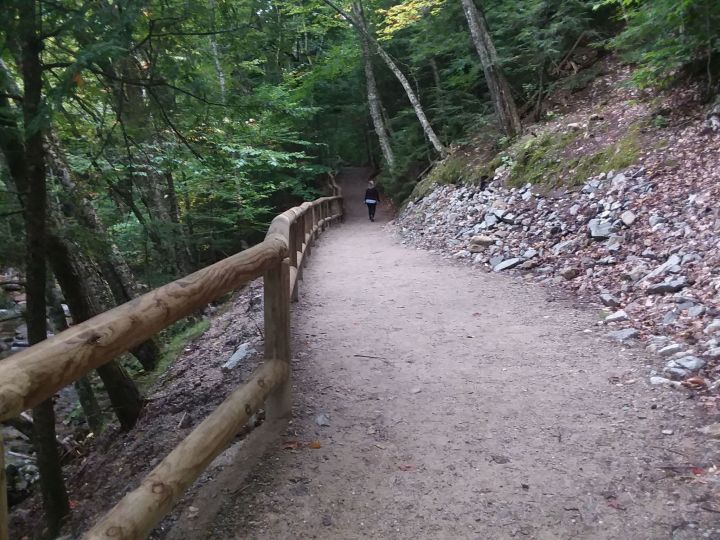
544, 160
455, 169
547, 160
537, 159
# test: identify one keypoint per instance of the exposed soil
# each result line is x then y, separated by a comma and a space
460, 404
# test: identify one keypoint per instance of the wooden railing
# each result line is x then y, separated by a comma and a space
34, 375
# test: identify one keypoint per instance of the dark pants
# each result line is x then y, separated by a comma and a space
371, 210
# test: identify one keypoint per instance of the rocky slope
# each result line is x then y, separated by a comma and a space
644, 241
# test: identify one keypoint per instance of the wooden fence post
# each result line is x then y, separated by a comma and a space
309, 223
300, 239
277, 335
4, 534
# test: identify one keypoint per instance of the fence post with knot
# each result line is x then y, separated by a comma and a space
277, 335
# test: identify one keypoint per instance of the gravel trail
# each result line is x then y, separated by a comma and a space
460, 404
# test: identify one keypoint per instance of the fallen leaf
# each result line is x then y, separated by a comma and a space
315, 445
406, 467
613, 503
697, 471
694, 383
73, 504
291, 445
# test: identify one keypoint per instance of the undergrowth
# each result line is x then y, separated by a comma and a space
171, 349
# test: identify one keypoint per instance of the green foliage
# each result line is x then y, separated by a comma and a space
535, 37
665, 36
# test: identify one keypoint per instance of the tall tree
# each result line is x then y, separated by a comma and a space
373, 96
499, 89
360, 26
52, 484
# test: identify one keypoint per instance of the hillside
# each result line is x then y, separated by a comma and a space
614, 200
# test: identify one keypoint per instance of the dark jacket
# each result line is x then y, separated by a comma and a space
372, 193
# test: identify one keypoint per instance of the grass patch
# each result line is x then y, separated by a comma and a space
544, 160
171, 350
456, 169
538, 159
617, 156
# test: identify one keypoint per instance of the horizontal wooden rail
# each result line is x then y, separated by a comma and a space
34, 375
137, 513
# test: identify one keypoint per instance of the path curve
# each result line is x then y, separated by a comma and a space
460, 405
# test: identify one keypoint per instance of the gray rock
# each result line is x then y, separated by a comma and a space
656, 220
658, 381
494, 261
507, 264
508, 218
530, 253
670, 317
673, 260
628, 218
242, 352
570, 272
322, 420
600, 229
713, 353
462, 254
609, 300
677, 373
482, 240
623, 335
618, 316
713, 327
668, 286
671, 349
692, 363
562, 247
696, 311
490, 220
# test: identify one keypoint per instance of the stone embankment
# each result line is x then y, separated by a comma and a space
648, 252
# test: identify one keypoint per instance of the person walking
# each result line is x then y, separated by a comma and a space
372, 198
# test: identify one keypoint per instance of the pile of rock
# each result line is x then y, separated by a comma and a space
650, 253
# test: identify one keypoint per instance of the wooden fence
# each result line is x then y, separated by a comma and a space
36, 374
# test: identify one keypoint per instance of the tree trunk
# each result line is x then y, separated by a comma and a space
373, 97
52, 484
182, 250
112, 264
83, 387
498, 86
360, 26
80, 289
215, 55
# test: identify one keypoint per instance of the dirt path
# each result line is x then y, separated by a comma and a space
460, 405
